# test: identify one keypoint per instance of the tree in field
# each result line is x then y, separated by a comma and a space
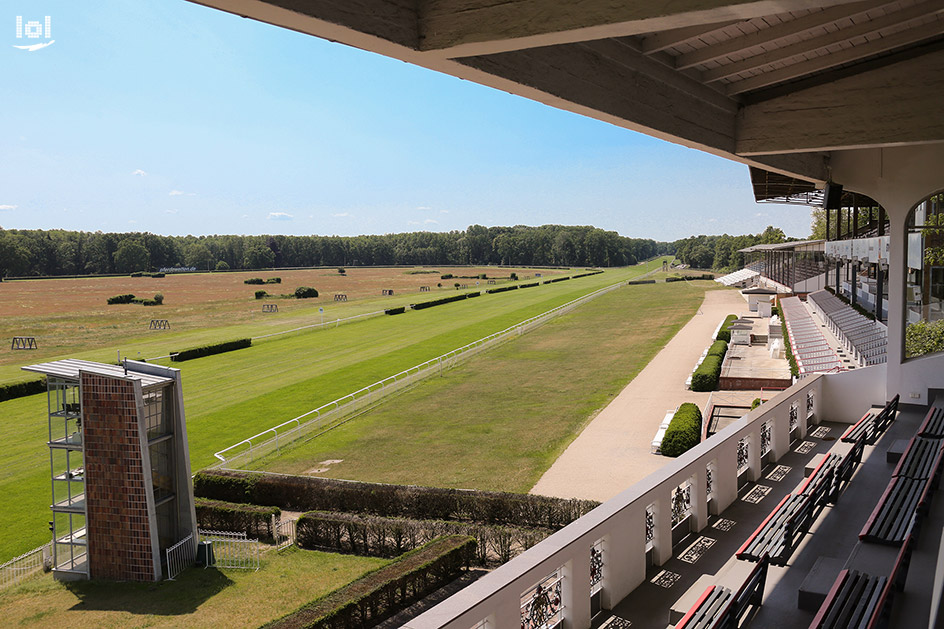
198, 255
258, 256
131, 256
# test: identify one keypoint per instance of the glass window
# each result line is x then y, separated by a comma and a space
924, 283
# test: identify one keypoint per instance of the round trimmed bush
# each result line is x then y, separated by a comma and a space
684, 431
261, 294
305, 292
705, 377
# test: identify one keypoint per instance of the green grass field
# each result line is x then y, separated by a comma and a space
197, 598
500, 420
232, 396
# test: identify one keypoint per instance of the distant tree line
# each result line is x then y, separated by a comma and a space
721, 252
60, 252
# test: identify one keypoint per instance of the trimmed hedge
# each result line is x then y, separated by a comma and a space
684, 431
14, 390
395, 311
310, 493
586, 274
444, 300
273, 280
253, 520
501, 289
382, 593
529, 285
724, 334
305, 292
718, 348
261, 294
254, 280
375, 536
557, 279
634, 282
705, 378
788, 349
121, 299
209, 350
757, 402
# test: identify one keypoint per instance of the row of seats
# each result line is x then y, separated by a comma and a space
813, 354
867, 339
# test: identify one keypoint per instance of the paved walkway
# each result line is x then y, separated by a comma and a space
612, 452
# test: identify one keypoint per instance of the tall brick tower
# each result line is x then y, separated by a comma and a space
121, 487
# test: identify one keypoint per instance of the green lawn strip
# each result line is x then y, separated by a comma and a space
231, 396
500, 420
197, 598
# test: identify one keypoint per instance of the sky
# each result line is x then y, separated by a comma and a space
169, 117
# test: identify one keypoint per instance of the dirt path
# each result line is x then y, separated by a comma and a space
612, 453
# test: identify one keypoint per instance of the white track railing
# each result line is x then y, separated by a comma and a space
180, 556
26, 565
284, 532
233, 550
336, 412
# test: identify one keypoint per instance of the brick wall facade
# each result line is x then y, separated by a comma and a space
119, 536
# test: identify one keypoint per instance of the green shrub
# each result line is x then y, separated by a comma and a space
375, 536
157, 275
483, 276
444, 300
788, 349
254, 280
222, 265
341, 270
261, 294
684, 431
757, 402
502, 289
514, 277
159, 298
718, 348
446, 276
274, 280
924, 338
382, 593
634, 282
253, 520
439, 285
310, 493
305, 292
705, 378
724, 334
138, 274
528, 285
774, 311
121, 299
395, 311
209, 350
15, 390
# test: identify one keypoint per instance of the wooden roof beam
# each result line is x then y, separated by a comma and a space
657, 42
778, 32
863, 29
891, 105
849, 55
464, 28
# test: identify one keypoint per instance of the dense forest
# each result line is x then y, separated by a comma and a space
721, 252
59, 252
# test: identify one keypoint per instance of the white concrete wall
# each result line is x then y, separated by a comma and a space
866, 385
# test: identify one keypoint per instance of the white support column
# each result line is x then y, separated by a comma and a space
699, 501
897, 263
624, 555
576, 590
724, 482
780, 431
753, 455
507, 611
662, 547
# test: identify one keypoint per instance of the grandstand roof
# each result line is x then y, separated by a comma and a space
738, 276
780, 246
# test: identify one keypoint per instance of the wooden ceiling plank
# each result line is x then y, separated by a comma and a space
663, 40
779, 31
916, 12
825, 62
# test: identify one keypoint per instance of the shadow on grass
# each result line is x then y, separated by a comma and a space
184, 595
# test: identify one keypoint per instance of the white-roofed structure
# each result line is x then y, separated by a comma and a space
740, 277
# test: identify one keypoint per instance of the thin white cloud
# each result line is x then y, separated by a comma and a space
171, 211
132, 222
424, 207
412, 222
139, 173
280, 216
712, 220
177, 193
443, 211
431, 221
759, 214
341, 215
7, 207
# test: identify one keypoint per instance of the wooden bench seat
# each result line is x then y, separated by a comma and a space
709, 610
851, 603
720, 607
918, 460
933, 425
777, 535
822, 474
893, 516
864, 427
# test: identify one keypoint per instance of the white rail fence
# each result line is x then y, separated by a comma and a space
333, 414
26, 565
180, 556
233, 550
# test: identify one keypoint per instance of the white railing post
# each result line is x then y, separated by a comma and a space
724, 481
780, 432
753, 453
662, 546
576, 590
699, 501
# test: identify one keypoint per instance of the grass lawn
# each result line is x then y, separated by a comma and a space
197, 598
231, 396
499, 421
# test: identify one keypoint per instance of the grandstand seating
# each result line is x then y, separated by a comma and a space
813, 354
866, 339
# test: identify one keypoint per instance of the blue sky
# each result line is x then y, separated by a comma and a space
174, 118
